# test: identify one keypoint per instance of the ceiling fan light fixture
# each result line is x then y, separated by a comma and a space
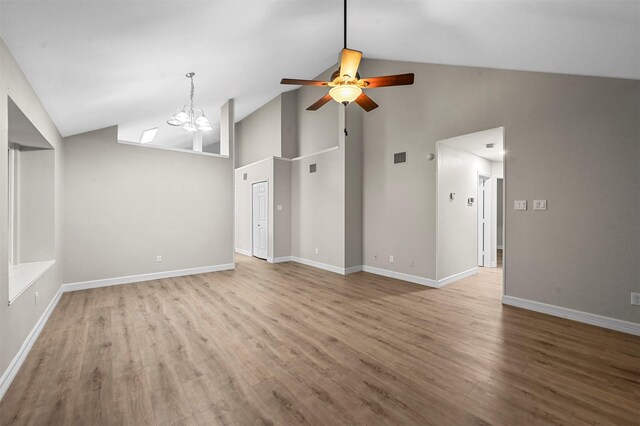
345, 94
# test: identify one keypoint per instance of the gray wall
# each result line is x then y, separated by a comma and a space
126, 204
499, 211
316, 129
37, 205
289, 117
572, 140
318, 203
457, 221
17, 320
259, 135
353, 187
281, 218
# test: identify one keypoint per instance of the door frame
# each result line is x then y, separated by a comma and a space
487, 256
266, 181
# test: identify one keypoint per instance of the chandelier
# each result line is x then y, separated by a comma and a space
191, 119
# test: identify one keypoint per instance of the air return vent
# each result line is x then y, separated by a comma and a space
399, 157
312, 168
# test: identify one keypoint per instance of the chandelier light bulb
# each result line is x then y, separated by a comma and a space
202, 121
189, 127
183, 117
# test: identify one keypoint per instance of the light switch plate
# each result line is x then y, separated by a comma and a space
279, 207
539, 204
520, 205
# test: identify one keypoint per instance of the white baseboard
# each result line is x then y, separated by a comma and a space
279, 259
456, 277
13, 368
245, 252
84, 285
353, 269
572, 314
401, 276
326, 267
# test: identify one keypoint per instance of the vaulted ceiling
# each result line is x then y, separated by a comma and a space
100, 63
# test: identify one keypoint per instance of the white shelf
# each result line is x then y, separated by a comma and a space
22, 276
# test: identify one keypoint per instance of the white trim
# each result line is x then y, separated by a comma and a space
279, 259
29, 272
169, 148
324, 151
353, 269
331, 268
400, 276
302, 157
456, 277
84, 285
572, 314
13, 368
243, 251
254, 163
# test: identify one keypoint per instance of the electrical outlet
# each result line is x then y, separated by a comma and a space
158, 259
411, 262
391, 259
635, 299
520, 205
375, 257
539, 204
317, 250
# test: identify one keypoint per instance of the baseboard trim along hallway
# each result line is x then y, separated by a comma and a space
84, 285
17, 361
572, 314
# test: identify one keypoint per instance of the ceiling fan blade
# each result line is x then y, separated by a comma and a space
320, 102
389, 80
303, 82
366, 102
350, 62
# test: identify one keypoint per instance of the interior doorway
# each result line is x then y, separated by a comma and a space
259, 215
470, 184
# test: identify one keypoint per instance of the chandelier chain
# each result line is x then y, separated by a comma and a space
192, 91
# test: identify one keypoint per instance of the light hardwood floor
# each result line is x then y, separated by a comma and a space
290, 344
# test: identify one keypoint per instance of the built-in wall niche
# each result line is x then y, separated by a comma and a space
31, 190
164, 136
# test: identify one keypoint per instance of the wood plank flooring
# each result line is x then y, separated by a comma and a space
289, 344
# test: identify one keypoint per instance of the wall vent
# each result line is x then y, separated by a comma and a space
312, 168
399, 157
244, 176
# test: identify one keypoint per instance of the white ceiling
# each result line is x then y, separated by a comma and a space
476, 143
100, 63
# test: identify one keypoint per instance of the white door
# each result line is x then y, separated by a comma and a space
486, 222
259, 208
482, 222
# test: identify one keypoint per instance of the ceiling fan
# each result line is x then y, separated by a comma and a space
346, 84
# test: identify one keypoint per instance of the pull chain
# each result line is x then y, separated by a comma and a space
345, 120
